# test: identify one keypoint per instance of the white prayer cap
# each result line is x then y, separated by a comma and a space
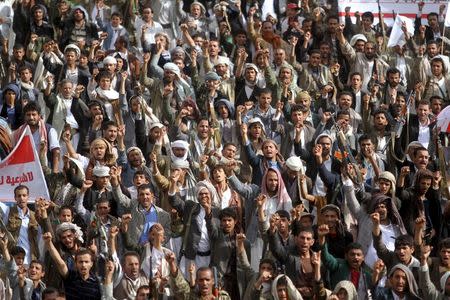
73, 47
109, 60
294, 163
173, 68
358, 37
156, 124
101, 171
321, 136
180, 144
222, 60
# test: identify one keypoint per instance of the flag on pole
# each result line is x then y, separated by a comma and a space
22, 166
447, 17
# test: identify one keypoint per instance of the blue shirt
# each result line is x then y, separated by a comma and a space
151, 217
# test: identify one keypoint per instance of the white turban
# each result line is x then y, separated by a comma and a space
173, 68
109, 60
70, 226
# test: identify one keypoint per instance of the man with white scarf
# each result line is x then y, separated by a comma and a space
166, 86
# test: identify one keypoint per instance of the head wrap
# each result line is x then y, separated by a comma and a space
386, 175
78, 166
256, 120
202, 7
12, 87
70, 226
129, 150
80, 7
172, 68
73, 47
180, 144
393, 213
178, 49
349, 287
445, 62
109, 60
100, 171
284, 200
222, 60
156, 124
228, 104
412, 284
321, 136
211, 76
204, 184
292, 291
294, 163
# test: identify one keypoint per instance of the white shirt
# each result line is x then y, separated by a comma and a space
203, 244
226, 197
52, 137
424, 135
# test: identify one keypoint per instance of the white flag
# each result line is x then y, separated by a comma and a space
397, 36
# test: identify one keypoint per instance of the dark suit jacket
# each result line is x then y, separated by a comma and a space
190, 208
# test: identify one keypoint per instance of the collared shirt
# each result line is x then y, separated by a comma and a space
23, 240
151, 217
78, 289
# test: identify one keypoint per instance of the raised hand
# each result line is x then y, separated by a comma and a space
86, 185
404, 171
378, 266
323, 230
261, 200
126, 219
47, 237
274, 220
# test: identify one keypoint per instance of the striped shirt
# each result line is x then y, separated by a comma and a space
78, 289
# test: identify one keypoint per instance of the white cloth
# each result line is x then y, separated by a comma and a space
52, 137
388, 235
447, 17
397, 36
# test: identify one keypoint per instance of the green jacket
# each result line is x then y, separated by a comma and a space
339, 269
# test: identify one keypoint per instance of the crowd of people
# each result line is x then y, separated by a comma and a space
240, 149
